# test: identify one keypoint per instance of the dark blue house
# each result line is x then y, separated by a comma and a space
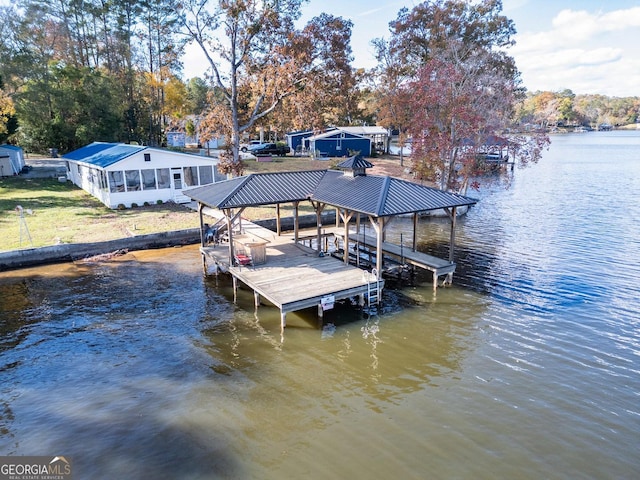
296, 139
338, 143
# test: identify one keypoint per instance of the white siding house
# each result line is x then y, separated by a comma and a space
16, 159
119, 174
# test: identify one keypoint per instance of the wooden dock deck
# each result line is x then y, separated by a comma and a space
295, 277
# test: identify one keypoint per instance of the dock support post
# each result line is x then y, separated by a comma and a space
235, 288
320, 311
202, 242
346, 218
318, 207
256, 299
296, 222
452, 242
283, 320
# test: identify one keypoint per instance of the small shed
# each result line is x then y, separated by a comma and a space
121, 174
16, 158
338, 143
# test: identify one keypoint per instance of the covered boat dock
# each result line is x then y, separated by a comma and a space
293, 276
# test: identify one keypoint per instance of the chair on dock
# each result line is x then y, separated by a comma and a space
242, 259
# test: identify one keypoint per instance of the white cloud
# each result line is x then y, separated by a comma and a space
621, 19
574, 25
582, 25
588, 52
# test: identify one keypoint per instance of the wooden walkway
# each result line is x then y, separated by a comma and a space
294, 277
437, 266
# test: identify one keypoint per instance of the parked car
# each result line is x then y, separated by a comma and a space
245, 146
269, 149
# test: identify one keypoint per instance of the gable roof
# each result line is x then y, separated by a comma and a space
103, 154
258, 189
299, 133
372, 194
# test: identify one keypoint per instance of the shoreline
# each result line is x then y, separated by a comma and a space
71, 252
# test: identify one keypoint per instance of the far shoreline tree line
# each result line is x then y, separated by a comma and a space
73, 72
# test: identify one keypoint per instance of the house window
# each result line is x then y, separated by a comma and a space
190, 176
164, 178
148, 179
206, 175
147, 157
133, 180
116, 182
104, 185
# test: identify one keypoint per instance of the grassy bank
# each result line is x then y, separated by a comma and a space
63, 213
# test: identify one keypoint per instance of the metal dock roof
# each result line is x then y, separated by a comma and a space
375, 195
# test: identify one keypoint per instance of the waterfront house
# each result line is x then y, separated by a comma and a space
118, 174
378, 135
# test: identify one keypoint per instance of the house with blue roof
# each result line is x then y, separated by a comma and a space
120, 174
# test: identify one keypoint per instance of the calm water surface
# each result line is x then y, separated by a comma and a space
527, 368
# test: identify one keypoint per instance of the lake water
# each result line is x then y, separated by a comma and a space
528, 367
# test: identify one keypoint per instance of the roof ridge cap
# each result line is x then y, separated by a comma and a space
382, 198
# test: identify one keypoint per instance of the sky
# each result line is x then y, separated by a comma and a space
587, 46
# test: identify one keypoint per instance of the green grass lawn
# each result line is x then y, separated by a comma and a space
63, 213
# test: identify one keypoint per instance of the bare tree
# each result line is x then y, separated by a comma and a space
245, 43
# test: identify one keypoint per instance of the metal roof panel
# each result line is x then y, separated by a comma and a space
371, 194
259, 189
103, 154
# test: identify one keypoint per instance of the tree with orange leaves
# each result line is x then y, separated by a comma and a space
257, 59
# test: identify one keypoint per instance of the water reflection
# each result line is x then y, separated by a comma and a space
383, 357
